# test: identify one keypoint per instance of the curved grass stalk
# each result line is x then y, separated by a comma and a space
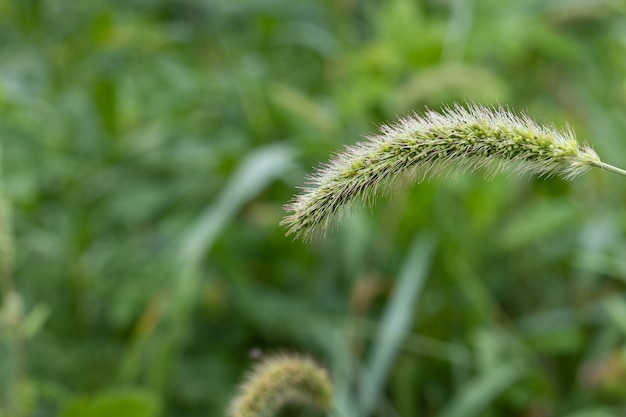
280, 380
460, 139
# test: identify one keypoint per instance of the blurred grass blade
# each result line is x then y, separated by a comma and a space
395, 322
127, 402
343, 363
615, 309
6, 239
255, 173
11, 313
480, 391
594, 412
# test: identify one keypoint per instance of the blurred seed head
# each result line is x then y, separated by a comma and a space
279, 380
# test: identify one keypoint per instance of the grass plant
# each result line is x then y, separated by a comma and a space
416, 148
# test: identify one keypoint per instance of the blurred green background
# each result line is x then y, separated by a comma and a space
148, 147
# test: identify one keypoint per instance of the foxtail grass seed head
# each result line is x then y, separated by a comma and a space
457, 140
280, 380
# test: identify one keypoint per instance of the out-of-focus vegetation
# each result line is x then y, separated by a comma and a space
148, 148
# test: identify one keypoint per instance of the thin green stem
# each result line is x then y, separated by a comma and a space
611, 168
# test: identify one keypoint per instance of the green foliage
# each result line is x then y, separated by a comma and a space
148, 148
122, 403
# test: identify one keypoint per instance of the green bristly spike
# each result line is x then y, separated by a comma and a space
414, 149
280, 380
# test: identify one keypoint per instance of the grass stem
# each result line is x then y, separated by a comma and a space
608, 167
